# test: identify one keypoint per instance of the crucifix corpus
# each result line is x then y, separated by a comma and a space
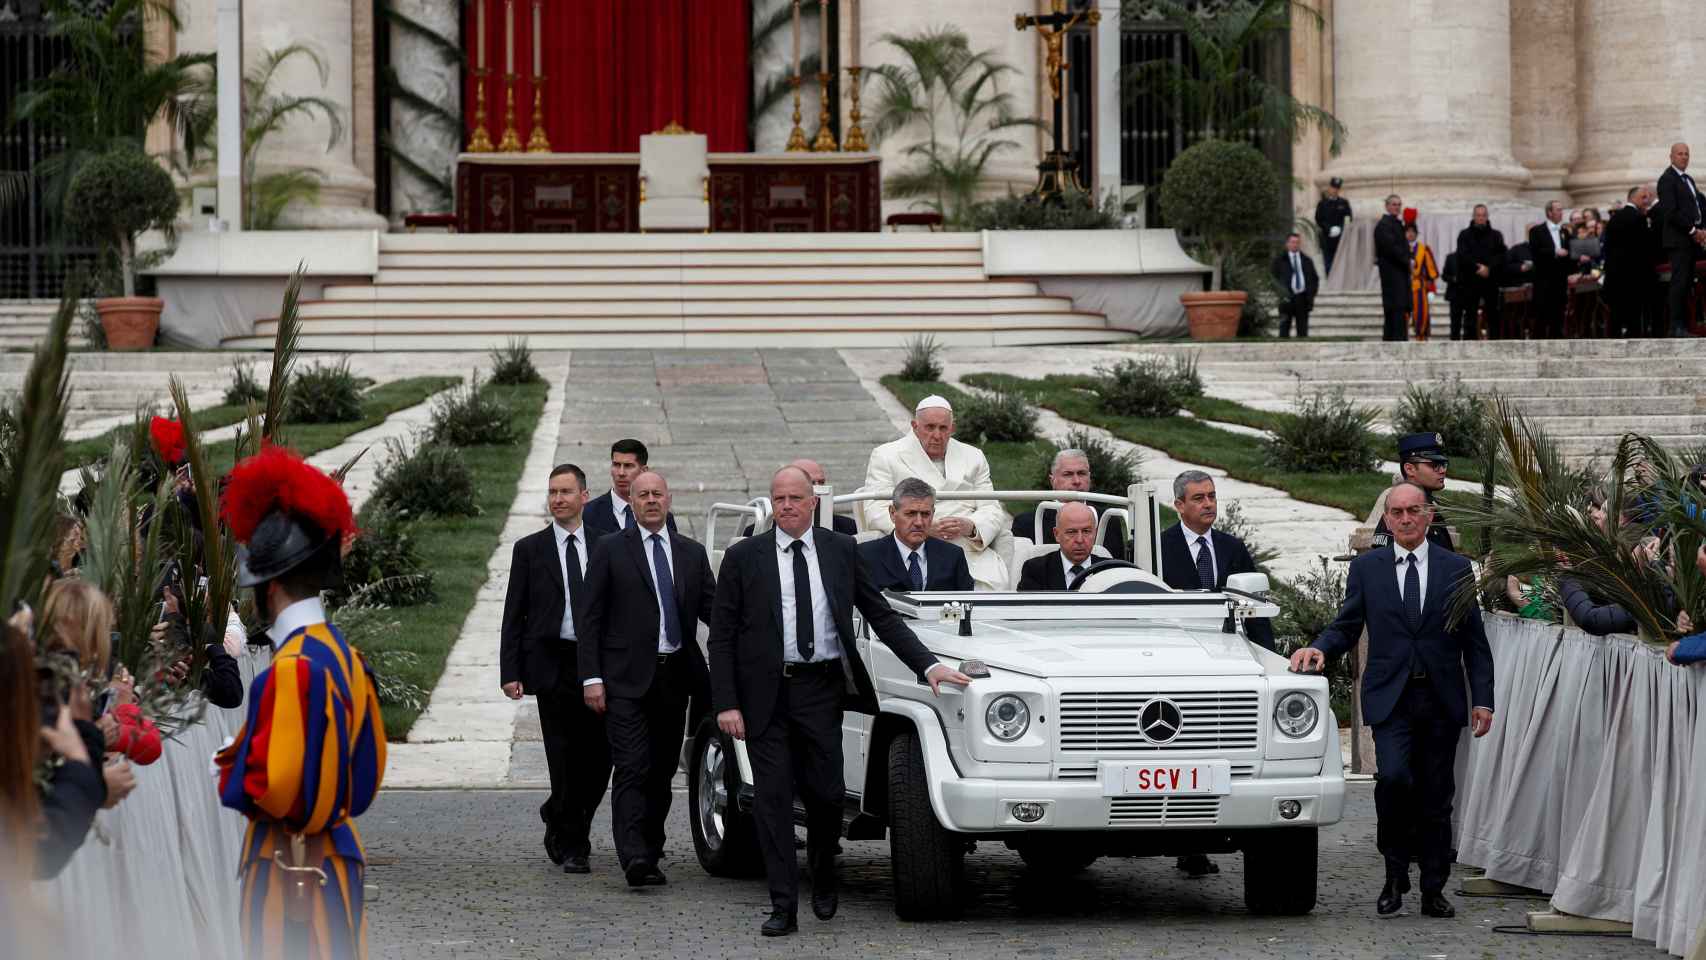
1058, 171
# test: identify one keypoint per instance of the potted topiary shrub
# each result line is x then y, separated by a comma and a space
115, 198
1219, 195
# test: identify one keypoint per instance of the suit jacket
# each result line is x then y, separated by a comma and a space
963, 468
746, 626
1025, 525
531, 649
1372, 600
621, 641
1392, 258
1045, 572
1680, 211
843, 524
600, 513
945, 565
1281, 269
1479, 250
1629, 251
1548, 266
1179, 570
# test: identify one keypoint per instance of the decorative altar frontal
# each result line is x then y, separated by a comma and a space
600, 192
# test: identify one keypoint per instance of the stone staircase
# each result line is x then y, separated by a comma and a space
107, 388
658, 291
24, 322
1354, 315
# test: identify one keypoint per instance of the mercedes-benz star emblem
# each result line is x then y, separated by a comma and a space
1160, 721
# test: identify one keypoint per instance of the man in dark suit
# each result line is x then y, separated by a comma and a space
1629, 264
1294, 273
1553, 266
784, 663
1331, 215
1075, 531
1682, 233
646, 587
911, 559
1392, 259
544, 614
1475, 283
1412, 690
1195, 556
1069, 471
841, 522
610, 511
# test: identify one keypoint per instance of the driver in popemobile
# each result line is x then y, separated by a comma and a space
1075, 531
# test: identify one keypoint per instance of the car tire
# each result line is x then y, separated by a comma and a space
724, 837
927, 862
1054, 859
1279, 872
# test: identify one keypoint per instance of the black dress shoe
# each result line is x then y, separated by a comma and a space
780, 924
1436, 905
576, 863
1391, 899
824, 900
1198, 865
553, 839
654, 878
638, 870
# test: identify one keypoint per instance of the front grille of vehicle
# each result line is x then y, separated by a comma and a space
1240, 771
1107, 721
1163, 811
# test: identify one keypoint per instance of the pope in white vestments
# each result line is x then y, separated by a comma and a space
930, 453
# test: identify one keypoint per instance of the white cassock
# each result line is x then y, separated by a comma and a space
964, 468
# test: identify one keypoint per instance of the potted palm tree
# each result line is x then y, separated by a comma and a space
115, 198
1220, 196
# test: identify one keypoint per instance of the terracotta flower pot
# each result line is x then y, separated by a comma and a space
1213, 315
130, 322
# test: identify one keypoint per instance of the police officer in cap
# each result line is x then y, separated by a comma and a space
1331, 215
1422, 461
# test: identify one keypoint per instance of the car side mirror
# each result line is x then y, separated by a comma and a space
1255, 584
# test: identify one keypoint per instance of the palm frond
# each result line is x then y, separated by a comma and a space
26, 521
272, 194
283, 359
205, 608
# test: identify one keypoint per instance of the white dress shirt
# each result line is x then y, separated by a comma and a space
302, 613
1066, 566
617, 507
567, 631
826, 644
905, 554
1400, 567
1556, 229
664, 612
1197, 543
1297, 283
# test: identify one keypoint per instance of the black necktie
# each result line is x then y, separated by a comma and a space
915, 574
804, 637
572, 563
666, 594
1076, 572
1412, 593
1205, 564
627, 516
1296, 274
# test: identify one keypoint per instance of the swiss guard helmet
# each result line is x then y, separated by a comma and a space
287, 517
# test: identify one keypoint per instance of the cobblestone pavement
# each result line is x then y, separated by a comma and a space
459, 874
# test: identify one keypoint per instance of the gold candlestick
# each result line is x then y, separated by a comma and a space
796, 136
480, 141
824, 142
537, 142
511, 142
854, 142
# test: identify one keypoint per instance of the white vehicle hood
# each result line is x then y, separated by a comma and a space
1096, 648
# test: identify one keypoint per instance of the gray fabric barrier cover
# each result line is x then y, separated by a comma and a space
157, 875
1582, 788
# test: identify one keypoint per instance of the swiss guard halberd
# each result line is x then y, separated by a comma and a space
311, 753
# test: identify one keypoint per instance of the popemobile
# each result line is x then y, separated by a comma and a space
1118, 718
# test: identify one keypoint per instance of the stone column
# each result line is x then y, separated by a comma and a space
1638, 64
1543, 93
424, 68
1312, 83
1424, 91
1108, 100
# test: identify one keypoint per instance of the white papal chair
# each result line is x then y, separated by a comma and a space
675, 181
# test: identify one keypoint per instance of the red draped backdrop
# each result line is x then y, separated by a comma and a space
616, 69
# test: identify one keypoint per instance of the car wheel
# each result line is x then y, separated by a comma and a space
724, 837
928, 862
1279, 871
1054, 859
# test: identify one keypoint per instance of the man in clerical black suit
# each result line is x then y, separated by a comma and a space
1629, 258
1412, 690
1553, 266
910, 558
1392, 259
610, 511
1682, 231
1069, 471
784, 663
1294, 273
1480, 263
1075, 531
842, 523
1187, 563
646, 587
544, 614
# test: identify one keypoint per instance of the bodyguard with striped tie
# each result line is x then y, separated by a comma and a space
1412, 690
912, 559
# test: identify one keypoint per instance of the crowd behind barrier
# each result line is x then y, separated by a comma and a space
157, 876
1586, 787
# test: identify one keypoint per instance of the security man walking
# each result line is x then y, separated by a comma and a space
1421, 461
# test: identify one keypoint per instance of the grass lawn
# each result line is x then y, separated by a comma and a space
457, 550
376, 404
82, 453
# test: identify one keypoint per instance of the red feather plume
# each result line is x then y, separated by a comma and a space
278, 478
168, 436
1409, 216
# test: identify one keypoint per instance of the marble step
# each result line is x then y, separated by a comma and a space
695, 242
982, 335
580, 273
1659, 390
1298, 350
1690, 426
1412, 369
781, 325
1538, 408
763, 290
751, 260
474, 309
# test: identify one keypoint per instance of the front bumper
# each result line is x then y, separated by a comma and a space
986, 806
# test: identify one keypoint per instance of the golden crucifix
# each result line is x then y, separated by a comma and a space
1058, 163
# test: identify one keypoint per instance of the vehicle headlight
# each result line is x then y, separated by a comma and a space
1007, 717
1296, 715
